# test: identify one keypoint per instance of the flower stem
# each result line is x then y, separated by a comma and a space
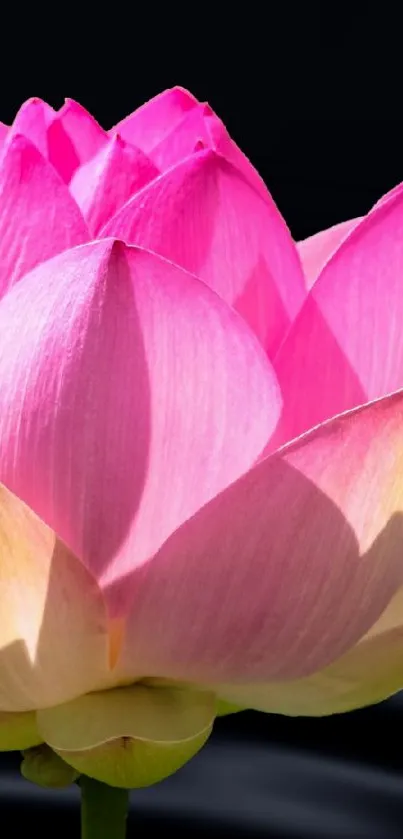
103, 810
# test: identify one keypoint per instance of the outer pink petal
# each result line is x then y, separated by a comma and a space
40, 124
38, 216
203, 215
85, 133
147, 126
187, 135
397, 190
32, 121
286, 569
369, 672
3, 133
130, 394
317, 250
109, 179
346, 346
225, 145
201, 128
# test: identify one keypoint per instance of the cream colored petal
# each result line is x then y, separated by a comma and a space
53, 626
18, 731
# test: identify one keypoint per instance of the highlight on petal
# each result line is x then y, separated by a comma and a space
85, 133
130, 737
204, 216
38, 216
316, 250
18, 731
368, 673
285, 570
53, 628
345, 347
147, 126
103, 184
130, 394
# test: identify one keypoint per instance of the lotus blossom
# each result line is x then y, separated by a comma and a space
201, 442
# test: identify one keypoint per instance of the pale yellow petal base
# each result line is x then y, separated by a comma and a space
18, 731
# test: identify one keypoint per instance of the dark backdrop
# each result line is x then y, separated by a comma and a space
313, 97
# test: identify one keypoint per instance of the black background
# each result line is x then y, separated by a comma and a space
313, 96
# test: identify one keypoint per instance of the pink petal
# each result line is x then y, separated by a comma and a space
368, 673
3, 133
201, 128
346, 346
32, 121
83, 130
317, 250
204, 216
284, 570
39, 123
103, 184
225, 145
38, 216
130, 395
61, 151
397, 190
147, 126
189, 133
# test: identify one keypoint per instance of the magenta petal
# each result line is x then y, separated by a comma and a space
3, 133
108, 180
39, 123
317, 249
396, 190
32, 121
346, 346
191, 132
284, 570
147, 126
130, 394
201, 128
204, 216
225, 145
83, 130
38, 216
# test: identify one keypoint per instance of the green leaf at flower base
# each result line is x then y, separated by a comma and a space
130, 737
18, 731
43, 767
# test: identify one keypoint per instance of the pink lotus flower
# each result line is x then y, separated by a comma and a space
165, 548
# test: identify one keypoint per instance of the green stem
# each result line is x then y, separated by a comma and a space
103, 810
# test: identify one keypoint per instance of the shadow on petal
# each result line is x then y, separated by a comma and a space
285, 570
